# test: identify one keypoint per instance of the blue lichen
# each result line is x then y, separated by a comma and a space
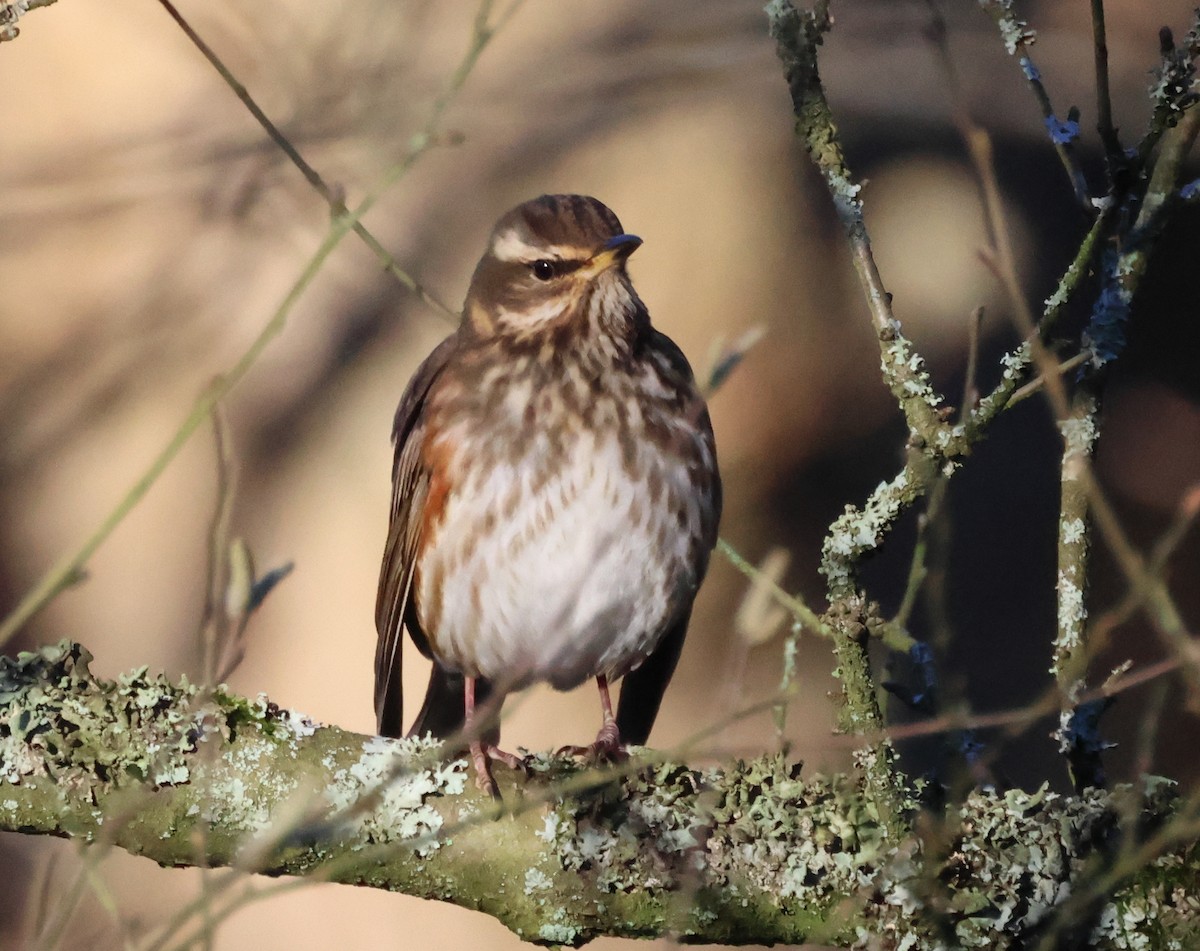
1105, 332
1062, 131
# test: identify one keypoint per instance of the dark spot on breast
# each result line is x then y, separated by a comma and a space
476, 587
628, 450
654, 485
508, 508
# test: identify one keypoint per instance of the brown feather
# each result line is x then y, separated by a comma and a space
410, 488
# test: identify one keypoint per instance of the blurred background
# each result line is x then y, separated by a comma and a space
148, 229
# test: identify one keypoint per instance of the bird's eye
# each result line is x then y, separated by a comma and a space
543, 270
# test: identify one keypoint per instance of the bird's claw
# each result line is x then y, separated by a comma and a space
607, 747
482, 756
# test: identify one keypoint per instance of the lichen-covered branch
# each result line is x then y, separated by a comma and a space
1018, 38
1104, 336
745, 853
1079, 437
798, 35
937, 443
1174, 90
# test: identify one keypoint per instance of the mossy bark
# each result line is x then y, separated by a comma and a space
742, 853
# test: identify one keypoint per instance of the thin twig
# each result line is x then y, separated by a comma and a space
970, 378
1104, 120
1017, 40
803, 614
1034, 386
333, 198
1022, 717
1079, 431
212, 619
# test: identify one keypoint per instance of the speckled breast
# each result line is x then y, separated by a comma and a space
573, 530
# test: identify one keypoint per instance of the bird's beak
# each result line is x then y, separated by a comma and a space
614, 252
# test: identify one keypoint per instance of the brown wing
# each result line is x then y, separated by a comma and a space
410, 486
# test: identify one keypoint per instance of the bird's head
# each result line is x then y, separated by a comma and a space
557, 261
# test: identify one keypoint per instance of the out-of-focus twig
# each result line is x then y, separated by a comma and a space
68, 568
1104, 120
217, 563
333, 197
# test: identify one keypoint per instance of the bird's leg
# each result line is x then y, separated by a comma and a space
483, 752
479, 757
608, 746
608, 740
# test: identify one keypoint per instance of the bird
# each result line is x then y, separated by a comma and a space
555, 493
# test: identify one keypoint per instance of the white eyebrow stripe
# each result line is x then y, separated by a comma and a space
510, 246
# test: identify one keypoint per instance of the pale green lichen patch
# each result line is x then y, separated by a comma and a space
536, 881
299, 724
1045, 842
1016, 362
1072, 612
642, 837
1079, 435
387, 794
816, 846
1162, 915
240, 798
904, 368
559, 931
61, 722
812, 842
857, 530
1015, 32
1071, 531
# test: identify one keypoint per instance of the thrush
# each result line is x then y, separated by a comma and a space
555, 493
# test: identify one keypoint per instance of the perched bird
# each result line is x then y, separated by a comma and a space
555, 493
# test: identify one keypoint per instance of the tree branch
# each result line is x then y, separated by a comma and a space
747, 852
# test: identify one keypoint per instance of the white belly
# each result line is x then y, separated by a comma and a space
573, 578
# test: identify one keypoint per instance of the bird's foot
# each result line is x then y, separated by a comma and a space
482, 755
607, 748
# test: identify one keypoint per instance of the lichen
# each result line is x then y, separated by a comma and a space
1015, 32
559, 932
62, 722
1071, 532
1072, 611
1079, 434
399, 778
141, 730
10, 13
536, 880
859, 530
1015, 362
750, 851
904, 369
760, 829
1104, 335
